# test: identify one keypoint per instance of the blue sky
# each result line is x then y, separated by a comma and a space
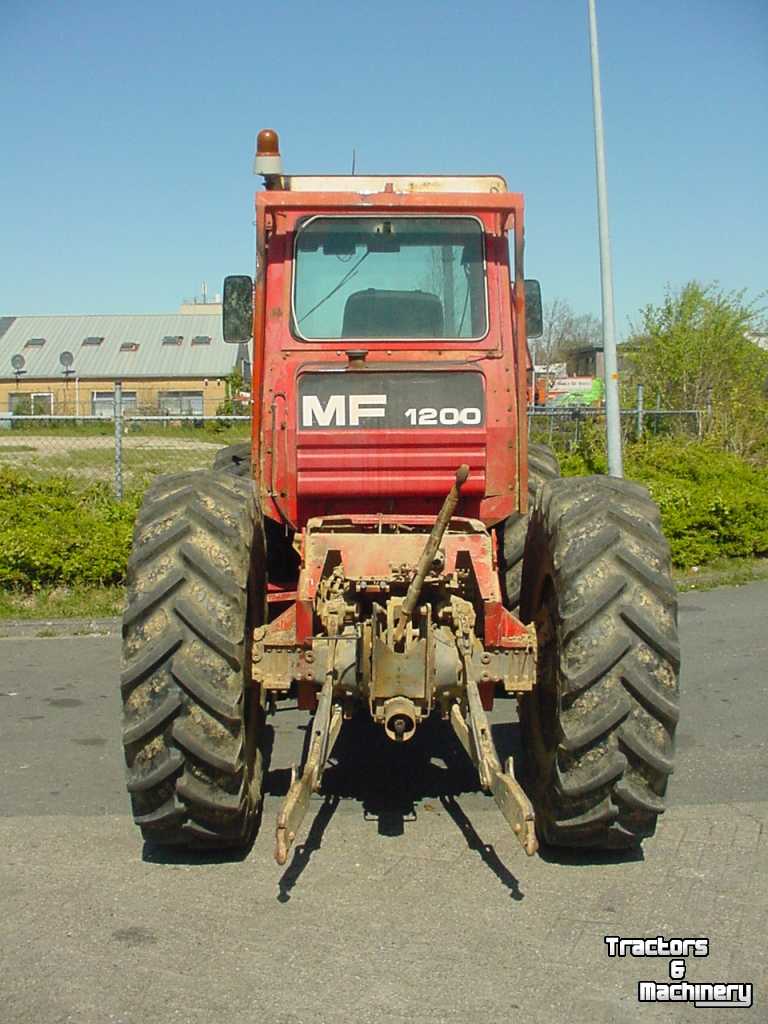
129, 130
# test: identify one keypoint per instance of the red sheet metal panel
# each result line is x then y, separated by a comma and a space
382, 463
304, 473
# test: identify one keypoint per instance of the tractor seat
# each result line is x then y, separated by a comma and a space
374, 313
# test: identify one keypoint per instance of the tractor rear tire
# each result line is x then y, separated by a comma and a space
234, 459
599, 724
542, 466
192, 724
282, 560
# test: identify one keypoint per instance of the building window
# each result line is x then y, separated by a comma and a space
34, 343
129, 346
180, 403
42, 403
173, 339
92, 340
103, 403
30, 403
201, 339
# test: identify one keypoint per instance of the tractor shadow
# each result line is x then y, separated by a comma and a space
574, 857
394, 784
390, 780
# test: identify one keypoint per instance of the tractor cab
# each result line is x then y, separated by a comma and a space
388, 344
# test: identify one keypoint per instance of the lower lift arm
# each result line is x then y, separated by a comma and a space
325, 730
475, 737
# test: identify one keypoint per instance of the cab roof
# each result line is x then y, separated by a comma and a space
406, 184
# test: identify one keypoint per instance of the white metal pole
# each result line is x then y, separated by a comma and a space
118, 414
612, 408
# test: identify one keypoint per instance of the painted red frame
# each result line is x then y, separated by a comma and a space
383, 471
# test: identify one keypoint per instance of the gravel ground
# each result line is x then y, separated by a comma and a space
406, 900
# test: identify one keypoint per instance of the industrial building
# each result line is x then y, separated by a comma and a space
175, 363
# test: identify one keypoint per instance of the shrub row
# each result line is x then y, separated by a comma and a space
55, 532
713, 503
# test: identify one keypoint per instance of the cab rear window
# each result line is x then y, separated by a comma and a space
390, 278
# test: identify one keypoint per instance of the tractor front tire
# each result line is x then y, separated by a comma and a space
599, 724
192, 724
234, 459
542, 466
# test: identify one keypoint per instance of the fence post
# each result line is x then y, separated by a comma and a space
639, 412
709, 409
118, 403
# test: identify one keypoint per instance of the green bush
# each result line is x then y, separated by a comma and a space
713, 504
697, 349
55, 532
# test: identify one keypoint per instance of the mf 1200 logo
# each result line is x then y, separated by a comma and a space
390, 400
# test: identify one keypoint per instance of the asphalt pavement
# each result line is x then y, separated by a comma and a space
406, 900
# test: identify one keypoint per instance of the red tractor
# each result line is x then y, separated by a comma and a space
389, 543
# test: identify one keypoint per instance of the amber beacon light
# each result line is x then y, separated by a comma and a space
268, 161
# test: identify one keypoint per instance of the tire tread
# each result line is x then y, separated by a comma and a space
596, 554
542, 466
191, 727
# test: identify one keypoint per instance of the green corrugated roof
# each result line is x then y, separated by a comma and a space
106, 361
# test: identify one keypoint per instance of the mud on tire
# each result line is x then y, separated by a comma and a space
599, 725
191, 723
542, 466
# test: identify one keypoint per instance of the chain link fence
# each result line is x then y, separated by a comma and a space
565, 426
127, 451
